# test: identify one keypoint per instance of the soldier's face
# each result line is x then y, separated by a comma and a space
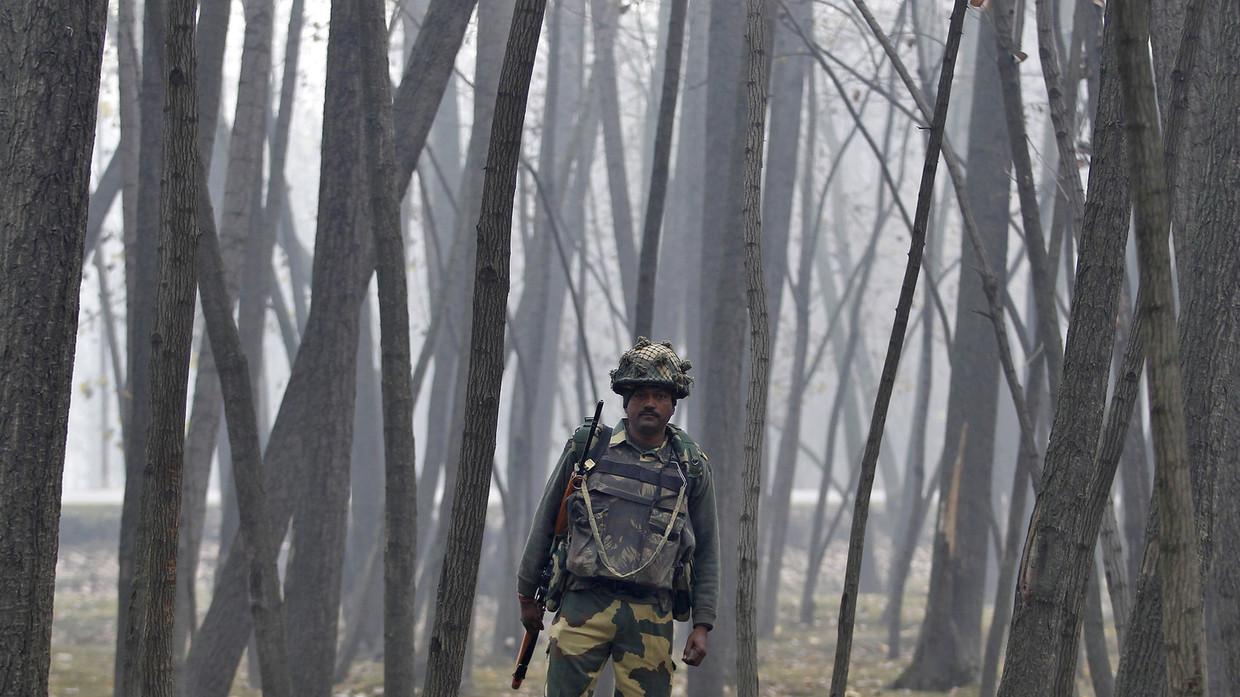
649, 410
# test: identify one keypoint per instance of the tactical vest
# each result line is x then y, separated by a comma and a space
629, 522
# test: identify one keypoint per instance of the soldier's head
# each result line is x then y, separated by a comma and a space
650, 378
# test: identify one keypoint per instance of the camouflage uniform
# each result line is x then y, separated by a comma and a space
625, 616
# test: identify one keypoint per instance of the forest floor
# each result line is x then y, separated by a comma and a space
795, 661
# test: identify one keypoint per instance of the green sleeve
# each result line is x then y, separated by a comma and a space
542, 530
706, 555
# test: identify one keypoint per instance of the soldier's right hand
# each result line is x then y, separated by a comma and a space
531, 615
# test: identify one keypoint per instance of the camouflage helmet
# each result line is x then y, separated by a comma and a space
648, 363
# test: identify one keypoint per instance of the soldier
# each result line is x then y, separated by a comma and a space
641, 545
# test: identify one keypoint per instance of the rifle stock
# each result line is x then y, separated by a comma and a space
523, 658
561, 524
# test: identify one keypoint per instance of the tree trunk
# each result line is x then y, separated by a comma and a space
777, 507
948, 652
1209, 341
606, 20
401, 480
452, 619
1180, 573
140, 279
426, 76
313, 577
203, 429
720, 421
444, 441
318, 360
643, 312
172, 334
49, 84
869, 460
685, 194
759, 356
1047, 571
1041, 269
788, 70
260, 546
536, 324
310, 424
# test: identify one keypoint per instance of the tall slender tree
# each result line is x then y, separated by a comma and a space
722, 320
401, 482
172, 330
948, 649
1179, 566
49, 84
458, 581
759, 355
140, 282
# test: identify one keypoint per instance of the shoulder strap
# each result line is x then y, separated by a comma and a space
601, 437
692, 459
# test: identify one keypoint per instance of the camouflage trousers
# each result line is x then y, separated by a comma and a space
593, 626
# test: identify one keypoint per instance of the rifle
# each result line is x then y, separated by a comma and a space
561, 524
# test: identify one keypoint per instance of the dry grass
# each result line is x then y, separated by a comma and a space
795, 661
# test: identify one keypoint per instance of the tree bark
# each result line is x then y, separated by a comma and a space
648, 262
49, 85
606, 20
722, 321
949, 645
260, 546
313, 577
310, 425
172, 334
401, 480
425, 78
1210, 335
1179, 570
140, 281
869, 459
759, 351
459, 579
1053, 567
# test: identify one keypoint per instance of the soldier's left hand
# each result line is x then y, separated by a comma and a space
695, 647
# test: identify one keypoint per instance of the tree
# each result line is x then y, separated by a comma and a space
254, 516
462, 555
49, 85
759, 356
203, 430
869, 459
1053, 576
648, 261
320, 510
155, 573
443, 447
401, 490
948, 651
722, 319
1208, 339
606, 16
1179, 567
681, 290
140, 270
